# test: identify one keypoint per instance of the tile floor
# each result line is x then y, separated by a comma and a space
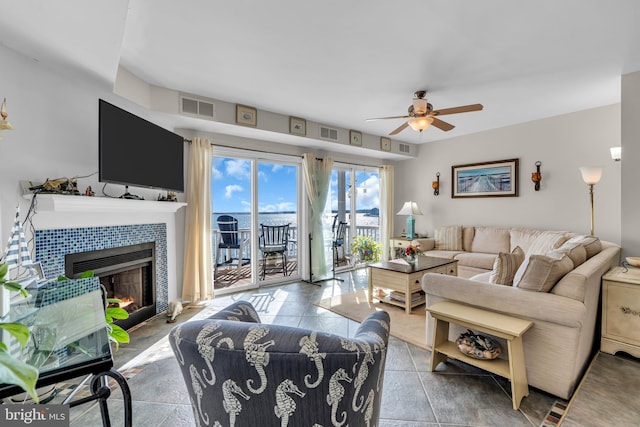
457, 395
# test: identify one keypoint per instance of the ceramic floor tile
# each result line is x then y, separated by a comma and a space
456, 395
470, 400
404, 398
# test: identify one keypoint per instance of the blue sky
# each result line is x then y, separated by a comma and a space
231, 186
277, 191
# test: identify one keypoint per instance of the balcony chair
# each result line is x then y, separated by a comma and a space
244, 373
273, 242
230, 239
339, 237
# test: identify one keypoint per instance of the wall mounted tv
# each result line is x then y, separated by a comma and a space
134, 151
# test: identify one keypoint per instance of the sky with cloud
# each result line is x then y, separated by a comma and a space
277, 187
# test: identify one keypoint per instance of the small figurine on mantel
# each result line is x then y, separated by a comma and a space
89, 192
170, 197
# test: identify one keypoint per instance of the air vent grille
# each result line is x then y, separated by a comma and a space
197, 107
404, 148
328, 133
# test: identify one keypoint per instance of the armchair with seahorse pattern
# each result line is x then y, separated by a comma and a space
239, 371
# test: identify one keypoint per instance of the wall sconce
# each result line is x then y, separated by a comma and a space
616, 153
436, 185
4, 123
536, 176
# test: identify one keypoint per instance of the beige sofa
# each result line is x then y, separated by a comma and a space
559, 345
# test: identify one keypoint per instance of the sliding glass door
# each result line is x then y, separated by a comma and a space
277, 207
355, 199
231, 194
250, 191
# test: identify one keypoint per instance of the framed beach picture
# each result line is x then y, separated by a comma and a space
246, 115
297, 126
355, 138
489, 179
385, 144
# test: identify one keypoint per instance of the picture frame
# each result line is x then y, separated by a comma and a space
497, 178
355, 138
247, 116
385, 143
297, 126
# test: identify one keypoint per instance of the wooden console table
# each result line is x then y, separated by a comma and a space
496, 324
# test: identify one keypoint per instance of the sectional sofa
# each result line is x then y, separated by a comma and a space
550, 277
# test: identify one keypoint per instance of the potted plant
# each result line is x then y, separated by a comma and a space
366, 248
12, 370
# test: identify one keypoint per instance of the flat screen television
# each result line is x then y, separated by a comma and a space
134, 151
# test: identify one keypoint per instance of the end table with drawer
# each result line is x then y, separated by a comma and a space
621, 311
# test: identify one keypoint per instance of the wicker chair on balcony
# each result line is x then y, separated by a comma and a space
273, 243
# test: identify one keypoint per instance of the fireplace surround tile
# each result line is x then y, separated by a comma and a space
53, 244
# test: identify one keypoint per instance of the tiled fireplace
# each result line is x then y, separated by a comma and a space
53, 244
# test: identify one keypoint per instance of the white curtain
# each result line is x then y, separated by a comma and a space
386, 208
317, 177
197, 282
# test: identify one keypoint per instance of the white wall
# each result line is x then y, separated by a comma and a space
630, 161
561, 143
56, 135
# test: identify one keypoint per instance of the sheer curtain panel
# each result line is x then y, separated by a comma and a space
197, 283
317, 177
386, 208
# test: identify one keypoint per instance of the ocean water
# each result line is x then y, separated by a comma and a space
244, 219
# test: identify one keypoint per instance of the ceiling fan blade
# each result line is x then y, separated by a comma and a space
442, 125
385, 118
455, 110
399, 129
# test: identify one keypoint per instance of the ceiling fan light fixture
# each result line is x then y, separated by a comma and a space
419, 106
420, 123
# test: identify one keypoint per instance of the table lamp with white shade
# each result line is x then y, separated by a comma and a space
410, 208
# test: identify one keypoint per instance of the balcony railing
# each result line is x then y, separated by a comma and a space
245, 236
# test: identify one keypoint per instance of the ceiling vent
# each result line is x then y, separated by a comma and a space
404, 148
328, 133
197, 108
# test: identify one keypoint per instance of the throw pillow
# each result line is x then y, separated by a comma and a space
449, 238
545, 242
505, 267
591, 244
540, 273
575, 251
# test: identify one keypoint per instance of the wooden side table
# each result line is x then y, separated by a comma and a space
500, 325
621, 311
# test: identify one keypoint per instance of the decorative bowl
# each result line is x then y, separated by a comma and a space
633, 261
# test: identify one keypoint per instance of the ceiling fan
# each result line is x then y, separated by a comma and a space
422, 115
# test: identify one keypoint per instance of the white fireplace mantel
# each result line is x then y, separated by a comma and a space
65, 203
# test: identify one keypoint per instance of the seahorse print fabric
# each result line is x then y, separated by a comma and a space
239, 371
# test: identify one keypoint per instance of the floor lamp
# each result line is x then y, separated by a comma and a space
591, 176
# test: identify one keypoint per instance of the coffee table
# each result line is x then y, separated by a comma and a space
405, 279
